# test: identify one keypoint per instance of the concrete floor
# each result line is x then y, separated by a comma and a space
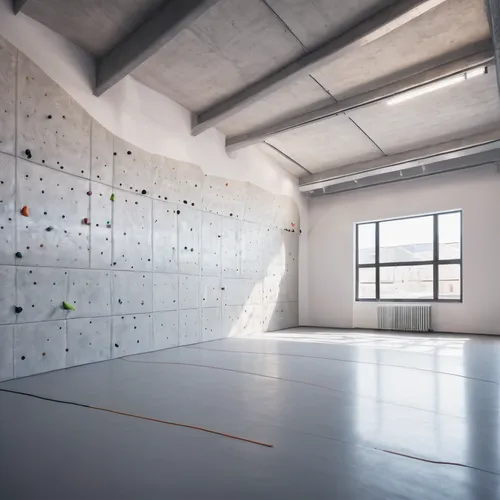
329, 401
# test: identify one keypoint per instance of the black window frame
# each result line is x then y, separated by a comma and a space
435, 262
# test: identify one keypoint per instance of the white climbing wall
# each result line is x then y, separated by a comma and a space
151, 252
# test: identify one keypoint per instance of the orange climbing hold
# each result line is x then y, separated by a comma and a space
25, 211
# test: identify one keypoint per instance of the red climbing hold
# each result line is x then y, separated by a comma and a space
25, 211
89, 193
86, 221
293, 225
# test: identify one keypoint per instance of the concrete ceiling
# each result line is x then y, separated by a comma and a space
233, 45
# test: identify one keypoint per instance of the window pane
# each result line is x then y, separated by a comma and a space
366, 287
449, 236
449, 281
406, 282
366, 243
406, 240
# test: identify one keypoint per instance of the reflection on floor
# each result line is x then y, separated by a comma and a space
350, 415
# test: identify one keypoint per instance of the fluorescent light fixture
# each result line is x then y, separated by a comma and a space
440, 84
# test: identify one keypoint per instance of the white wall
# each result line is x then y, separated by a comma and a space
331, 248
147, 119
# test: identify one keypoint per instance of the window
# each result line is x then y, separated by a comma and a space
412, 259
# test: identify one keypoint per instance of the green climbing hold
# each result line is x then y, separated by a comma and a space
19, 255
68, 307
112, 197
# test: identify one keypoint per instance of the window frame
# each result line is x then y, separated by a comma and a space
435, 262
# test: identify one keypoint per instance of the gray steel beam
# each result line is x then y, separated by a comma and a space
157, 30
378, 94
18, 5
493, 10
366, 32
401, 161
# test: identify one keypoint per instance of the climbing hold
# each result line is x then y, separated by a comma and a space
185, 202
178, 212
230, 215
143, 191
112, 197
223, 288
192, 249
120, 301
25, 211
19, 255
49, 229
49, 117
293, 225
129, 152
300, 231
41, 245
227, 184
86, 221
108, 223
89, 193
28, 153
68, 307
18, 309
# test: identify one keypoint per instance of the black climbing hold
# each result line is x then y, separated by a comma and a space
50, 228
28, 153
49, 117
129, 152
120, 301
223, 288
192, 204
18, 309
114, 154
185, 248
19, 255
143, 191
185, 202
116, 345
192, 249
178, 212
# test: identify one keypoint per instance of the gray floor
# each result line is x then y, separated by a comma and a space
333, 403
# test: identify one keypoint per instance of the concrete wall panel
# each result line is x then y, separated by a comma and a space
231, 321
211, 293
189, 240
53, 129
41, 292
189, 327
165, 329
90, 292
166, 292
133, 167
88, 340
211, 244
39, 347
231, 251
131, 292
259, 206
6, 352
8, 55
189, 291
132, 232
165, 245
211, 323
101, 210
251, 250
251, 319
224, 197
54, 234
272, 286
101, 154
280, 316
273, 255
238, 291
7, 294
7, 209
131, 334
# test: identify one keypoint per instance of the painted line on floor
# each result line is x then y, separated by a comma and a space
345, 361
151, 419
272, 377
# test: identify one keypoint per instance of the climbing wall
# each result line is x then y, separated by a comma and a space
107, 250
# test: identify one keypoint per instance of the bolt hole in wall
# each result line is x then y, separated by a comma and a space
122, 251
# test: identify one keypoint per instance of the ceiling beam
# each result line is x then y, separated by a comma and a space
364, 99
401, 161
371, 29
18, 5
156, 31
493, 10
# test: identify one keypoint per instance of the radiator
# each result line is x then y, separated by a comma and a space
404, 318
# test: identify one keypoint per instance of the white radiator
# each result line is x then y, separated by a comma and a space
409, 318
